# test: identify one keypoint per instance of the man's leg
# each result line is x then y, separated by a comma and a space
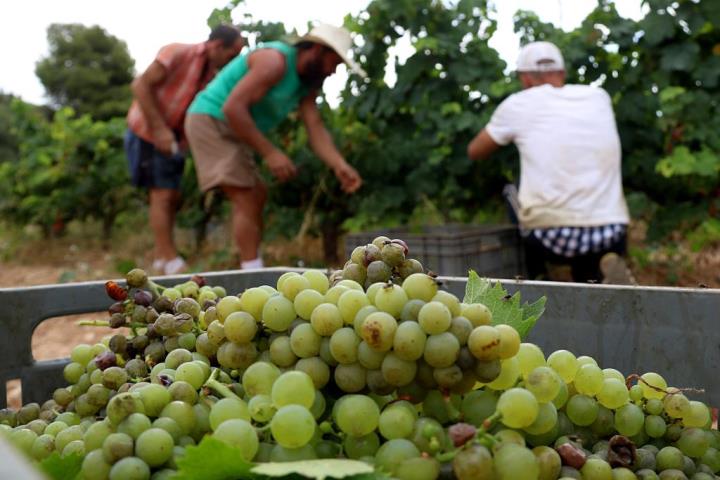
536, 257
163, 206
247, 221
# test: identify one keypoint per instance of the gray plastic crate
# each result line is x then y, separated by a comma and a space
491, 250
672, 331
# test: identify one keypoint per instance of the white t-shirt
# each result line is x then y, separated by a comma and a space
569, 155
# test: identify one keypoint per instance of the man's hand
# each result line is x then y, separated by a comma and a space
163, 139
349, 178
280, 165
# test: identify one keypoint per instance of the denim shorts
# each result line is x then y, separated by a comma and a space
150, 168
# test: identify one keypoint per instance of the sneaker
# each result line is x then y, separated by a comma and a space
175, 266
158, 266
615, 270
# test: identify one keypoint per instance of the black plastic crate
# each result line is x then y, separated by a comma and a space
451, 250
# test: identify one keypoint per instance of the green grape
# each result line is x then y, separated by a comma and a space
509, 374
604, 424
544, 422
226, 409
258, 378
676, 405
350, 302
292, 426
434, 317
364, 446
529, 358
56, 427
43, 446
293, 388
177, 357
261, 408
334, 293
515, 462
449, 377
396, 371
635, 393
130, 468
350, 378
240, 327
509, 341
582, 410
477, 406
236, 356
182, 413
191, 373
344, 345
24, 439
94, 466
544, 383
669, 458
418, 468
585, 360
654, 406
473, 463
441, 350
411, 310
226, 305
305, 341
518, 408
629, 420
318, 280
564, 363
357, 415
699, 415
562, 397
351, 284
653, 385
596, 469
450, 301
325, 353
588, 380
711, 458
306, 301
370, 358
693, 442
134, 424
122, 405
170, 426
182, 391
251, 301
117, 446
326, 319
484, 343
154, 446
391, 299
612, 373
293, 285
372, 291
461, 328
284, 277
360, 317
393, 452
409, 341
613, 393
420, 286
215, 332
655, 426
378, 331
282, 454
549, 462
319, 405
281, 352
81, 353
316, 369
278, 313
239, 433
397, 421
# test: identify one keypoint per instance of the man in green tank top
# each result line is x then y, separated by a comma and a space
227, 123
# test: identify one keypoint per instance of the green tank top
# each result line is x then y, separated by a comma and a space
279, 101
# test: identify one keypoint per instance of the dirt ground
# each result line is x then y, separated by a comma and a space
68, 260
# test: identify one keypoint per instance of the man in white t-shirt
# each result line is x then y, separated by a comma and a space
571, 204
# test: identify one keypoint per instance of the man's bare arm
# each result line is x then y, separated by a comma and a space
482, 146
144, 87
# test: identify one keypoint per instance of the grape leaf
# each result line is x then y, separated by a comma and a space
62, 468
506, 309
212, 459
315, 469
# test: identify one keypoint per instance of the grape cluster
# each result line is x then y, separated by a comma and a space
373, 364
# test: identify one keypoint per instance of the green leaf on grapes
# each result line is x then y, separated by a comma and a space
505, 309
62, 468
212, 460
316, 469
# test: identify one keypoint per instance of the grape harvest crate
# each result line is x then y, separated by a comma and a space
671, 331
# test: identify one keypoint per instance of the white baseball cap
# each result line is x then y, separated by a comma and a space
337, 38
540, 57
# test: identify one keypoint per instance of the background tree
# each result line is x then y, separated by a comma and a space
88, 70
8, 139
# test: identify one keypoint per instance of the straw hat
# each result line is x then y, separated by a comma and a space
337, 38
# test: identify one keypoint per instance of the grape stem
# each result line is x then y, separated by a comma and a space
635, 376
105, 323
218, 387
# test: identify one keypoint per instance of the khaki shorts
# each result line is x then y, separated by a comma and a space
220, 158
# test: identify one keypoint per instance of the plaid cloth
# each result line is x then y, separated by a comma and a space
571, 241
186, 75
